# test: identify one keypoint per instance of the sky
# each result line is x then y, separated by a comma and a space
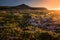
49, 4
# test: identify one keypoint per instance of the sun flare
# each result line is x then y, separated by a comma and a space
57, 9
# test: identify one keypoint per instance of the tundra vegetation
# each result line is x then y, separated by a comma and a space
27, 26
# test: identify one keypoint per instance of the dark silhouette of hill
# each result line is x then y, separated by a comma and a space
22, 6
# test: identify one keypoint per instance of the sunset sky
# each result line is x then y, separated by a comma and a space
50, 4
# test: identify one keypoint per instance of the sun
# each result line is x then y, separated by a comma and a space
57, 9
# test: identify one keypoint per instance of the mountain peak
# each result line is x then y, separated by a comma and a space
23, 6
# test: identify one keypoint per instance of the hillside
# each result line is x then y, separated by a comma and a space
29, 23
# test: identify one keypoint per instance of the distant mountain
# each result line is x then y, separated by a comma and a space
34, 8
22, 6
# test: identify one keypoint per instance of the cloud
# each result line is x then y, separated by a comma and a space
17, 2
50, 4
11, 2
